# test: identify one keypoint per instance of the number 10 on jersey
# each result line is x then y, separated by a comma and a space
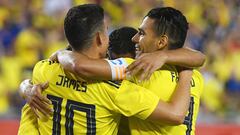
70, 107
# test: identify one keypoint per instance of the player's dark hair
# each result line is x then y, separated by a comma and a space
81, 23
120, 41
170, 22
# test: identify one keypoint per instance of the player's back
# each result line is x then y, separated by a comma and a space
79, 107
188, 127
84, 108
163, 83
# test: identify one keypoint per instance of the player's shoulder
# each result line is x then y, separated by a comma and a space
115, 84
46, 63
165, 71
197, 73
46, 67
167, 67
104, 84
128, 60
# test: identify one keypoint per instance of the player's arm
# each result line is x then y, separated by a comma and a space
185, 57
134, 100
33, 95
83, 66
174, 111
147, 63
88, 68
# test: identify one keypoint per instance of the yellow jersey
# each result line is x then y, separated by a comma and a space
84, 107
163, 83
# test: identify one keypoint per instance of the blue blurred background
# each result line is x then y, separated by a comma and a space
31, 30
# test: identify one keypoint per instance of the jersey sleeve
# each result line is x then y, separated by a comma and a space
134, 100
28, 123
118, 67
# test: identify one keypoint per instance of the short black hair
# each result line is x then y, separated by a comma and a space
81, 23
171, 22
120, 41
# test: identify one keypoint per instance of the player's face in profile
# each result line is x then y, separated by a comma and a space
104, 40
146, 39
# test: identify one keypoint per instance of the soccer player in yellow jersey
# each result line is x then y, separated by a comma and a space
162, 29
94, 107
168, 27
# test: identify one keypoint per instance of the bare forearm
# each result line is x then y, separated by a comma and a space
181, 96
85, 67
185, 57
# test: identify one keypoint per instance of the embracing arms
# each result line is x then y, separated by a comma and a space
145, 65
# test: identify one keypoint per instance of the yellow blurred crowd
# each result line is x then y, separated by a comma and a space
31, 30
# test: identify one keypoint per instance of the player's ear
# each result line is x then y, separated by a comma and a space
162, 42
99, 38
102, 38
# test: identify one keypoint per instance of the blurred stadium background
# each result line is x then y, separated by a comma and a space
31, 30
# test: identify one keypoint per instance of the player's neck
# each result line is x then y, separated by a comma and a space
91, 53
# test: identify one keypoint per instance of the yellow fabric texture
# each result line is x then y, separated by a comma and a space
163, 83
92, 105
